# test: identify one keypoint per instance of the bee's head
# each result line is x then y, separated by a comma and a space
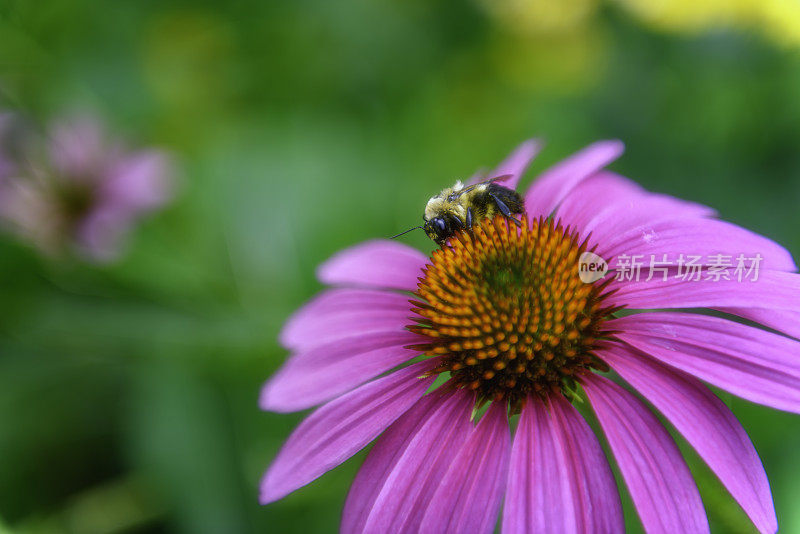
437, 229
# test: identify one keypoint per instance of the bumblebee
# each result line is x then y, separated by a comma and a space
459, 208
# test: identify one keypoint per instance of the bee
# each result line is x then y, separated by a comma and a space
460, 208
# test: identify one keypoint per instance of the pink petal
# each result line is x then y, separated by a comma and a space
559, 480
102, 235
140, 182
340, 313
381, 460
545, 194
749, 362
323, 372
382, 264
336, 431
534, 478
593, 484
344, 325
469, 495
707, 424
405, 466
704, 237
78, 149
785, 321
644, 210
659, 482
515, 164
593, 196
772, 290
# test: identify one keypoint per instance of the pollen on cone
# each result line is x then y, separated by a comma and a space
506, 309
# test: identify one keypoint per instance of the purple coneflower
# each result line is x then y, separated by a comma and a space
502, 318
77, 187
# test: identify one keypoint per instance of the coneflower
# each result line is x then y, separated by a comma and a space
76, 187
439, 357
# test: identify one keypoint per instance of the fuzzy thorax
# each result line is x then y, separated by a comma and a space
449, 201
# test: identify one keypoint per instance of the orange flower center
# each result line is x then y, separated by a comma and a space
507, 311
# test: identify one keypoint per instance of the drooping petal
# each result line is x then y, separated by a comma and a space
403, 469
469, 495
773, 290
101, 235
751, 363
321, 373
532, 463
336, 431
621, 216
554, 184
695, 236
592, 196
26, 209
786, 321
381, 460
593, 486
659, 482
559, 479
379, 263
340, 313
707, 424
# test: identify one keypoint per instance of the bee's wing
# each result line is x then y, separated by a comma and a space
470, 187
480, 177
501, 178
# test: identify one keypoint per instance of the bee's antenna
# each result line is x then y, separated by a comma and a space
410, 229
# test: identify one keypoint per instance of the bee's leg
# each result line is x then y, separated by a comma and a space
469, 217
504, 209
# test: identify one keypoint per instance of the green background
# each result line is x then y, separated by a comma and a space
128, 392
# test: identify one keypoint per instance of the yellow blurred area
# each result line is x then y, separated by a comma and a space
557, 37
186, 58
693, 15
777, 19
541, 16
782, 17
565, 63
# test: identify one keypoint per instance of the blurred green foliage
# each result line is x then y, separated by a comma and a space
128, 393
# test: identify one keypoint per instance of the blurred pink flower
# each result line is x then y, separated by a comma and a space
77, 187
502, 315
